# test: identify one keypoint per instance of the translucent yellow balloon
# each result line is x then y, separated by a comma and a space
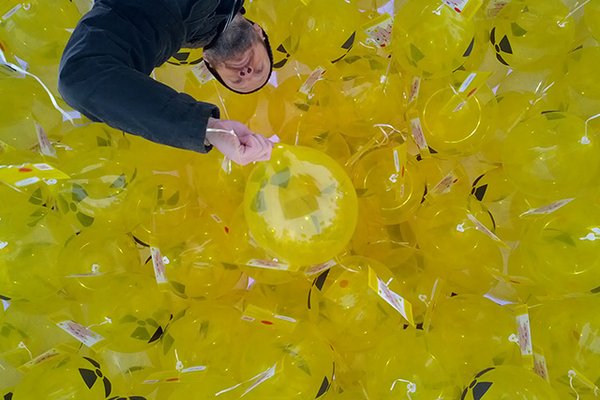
459, 128
506, 382
350, 313
532, 34
562, 248
324, 32
130, 312
468, 332
591, 17
91, 259
568, 330
300, 206
551, 156
584, 99
457, 233
400, 367
67, 376
394, 191
198, 266
430, 39
299, 364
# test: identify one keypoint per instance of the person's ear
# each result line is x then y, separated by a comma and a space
258, 29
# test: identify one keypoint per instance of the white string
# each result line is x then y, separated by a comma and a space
573, 11
17, 68
587, 122
411, 387
572, 375
22, 345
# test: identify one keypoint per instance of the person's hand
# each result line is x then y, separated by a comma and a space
237, 142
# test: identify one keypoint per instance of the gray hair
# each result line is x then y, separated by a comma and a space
236, 39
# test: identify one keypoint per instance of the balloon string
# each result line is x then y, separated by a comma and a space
411, 387
22, 345
572, 375
573, 11
587, 122
65, 114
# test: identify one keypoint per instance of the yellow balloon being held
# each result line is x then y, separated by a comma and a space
300, 206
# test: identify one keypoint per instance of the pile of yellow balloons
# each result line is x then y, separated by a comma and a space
428, 226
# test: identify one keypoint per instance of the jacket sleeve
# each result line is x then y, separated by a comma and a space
104, 73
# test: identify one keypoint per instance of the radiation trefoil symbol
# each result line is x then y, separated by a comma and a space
477, 389
90, 377
503, 46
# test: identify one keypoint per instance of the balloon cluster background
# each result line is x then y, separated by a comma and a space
428, 228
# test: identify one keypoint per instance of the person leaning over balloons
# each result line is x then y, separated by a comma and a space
104, 71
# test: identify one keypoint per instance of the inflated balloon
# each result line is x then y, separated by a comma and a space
391, 245
206, 340
584, 92
457, 233
300, 206
532, 34
568, 331
400, 367
349, 312
198, 267
159, 204
591, 17
416, 25
468, 332
505, 382
297, 364
389, 187
444, 176
64, 376
456, 119
551, 156
286, 299
37, 32
130, 313
91, 259
324, 32
561, 248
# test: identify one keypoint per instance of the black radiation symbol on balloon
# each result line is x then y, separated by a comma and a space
502, 46
91, 376
477, 389
143, 329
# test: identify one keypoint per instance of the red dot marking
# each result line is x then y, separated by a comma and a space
471, 92
172, 380
265, 322
25, 169
226, 229
344, 283
457, 9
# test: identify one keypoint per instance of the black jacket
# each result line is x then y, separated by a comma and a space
105, 68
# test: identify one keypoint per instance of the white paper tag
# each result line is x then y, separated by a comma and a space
540, 367
268, 264
201, 73
495, 6
27, 181
159, 266
417, 133
46, 147
380, 34
456, 5
445, 184
317, 269
524, 331
547, 209
467, 82
12, 11
393, 299
310, 82
80, 332
194, 369
41, 358
415, 88
216, 218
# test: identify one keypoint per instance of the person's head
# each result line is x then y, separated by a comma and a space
240, 58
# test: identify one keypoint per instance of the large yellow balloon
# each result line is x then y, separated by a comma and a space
468, 332
592, 18
300, 206
430, 39
508, 383
551, 156
532, 34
